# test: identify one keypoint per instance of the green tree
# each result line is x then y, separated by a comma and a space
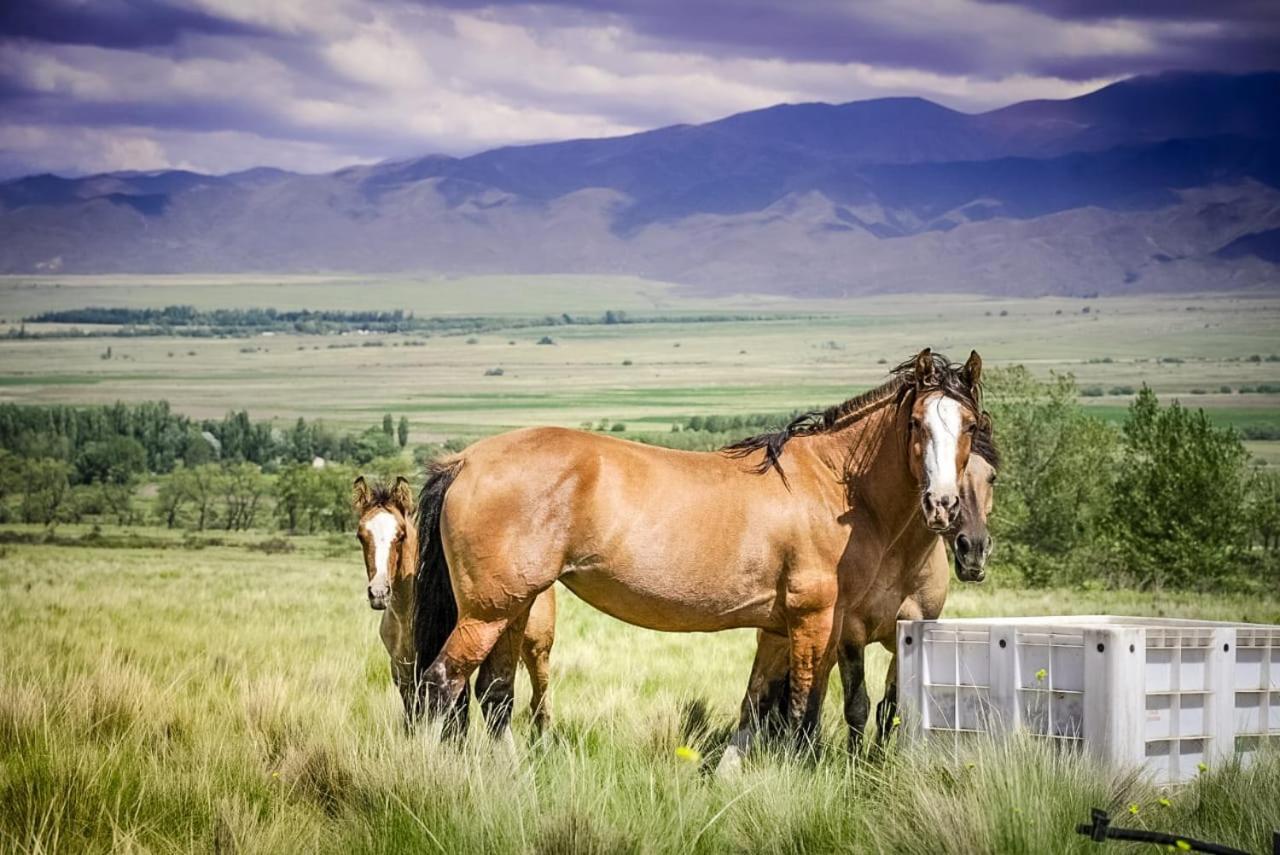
1264, 513
10, 480
1055, 475
46, 489
242, 486
388, 427
117, 460
310, 499
402, 431
202, 484
1179, 510
172, 497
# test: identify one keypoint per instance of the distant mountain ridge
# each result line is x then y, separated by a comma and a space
1161, 183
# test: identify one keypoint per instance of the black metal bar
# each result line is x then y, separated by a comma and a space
1100, 829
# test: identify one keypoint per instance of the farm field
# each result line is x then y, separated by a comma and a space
798, 354
229, 699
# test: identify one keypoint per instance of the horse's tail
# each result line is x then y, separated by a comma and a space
436, 610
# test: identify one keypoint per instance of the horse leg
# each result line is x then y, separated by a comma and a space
767, 683
445, 679
496, 679
887, 709
811, 649
857, 706
535, 652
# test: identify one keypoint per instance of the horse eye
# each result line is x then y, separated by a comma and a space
991, 479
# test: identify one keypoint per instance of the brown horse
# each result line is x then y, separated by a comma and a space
685, 541
390, 544
921, 594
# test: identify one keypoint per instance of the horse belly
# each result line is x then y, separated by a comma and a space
669, 603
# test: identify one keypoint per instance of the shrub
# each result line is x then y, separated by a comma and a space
1091, 392
546, 339
493, 372
1178, 512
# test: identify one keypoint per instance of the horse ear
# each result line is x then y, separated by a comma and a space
972, 371
926, 372
402, 494
984, 422
360, 492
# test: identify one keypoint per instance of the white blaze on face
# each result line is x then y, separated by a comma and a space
382, 528
942, 418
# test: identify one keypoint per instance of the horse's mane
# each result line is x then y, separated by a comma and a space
984, 443
897, 388
381, 493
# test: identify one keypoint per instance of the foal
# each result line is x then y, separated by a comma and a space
389, 537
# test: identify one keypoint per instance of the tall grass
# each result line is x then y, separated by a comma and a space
155, 700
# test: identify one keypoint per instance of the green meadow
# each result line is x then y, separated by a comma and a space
226, 699
169, 691
797, 354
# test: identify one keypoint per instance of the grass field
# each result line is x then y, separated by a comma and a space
646, 375
169, 700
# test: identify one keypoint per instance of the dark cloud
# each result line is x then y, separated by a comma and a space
391, 78
1245, 34
110, 23
1252, 11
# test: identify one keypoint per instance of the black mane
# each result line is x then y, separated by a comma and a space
381, 493
984, 443
900, 385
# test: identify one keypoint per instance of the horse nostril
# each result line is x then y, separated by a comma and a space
962, 544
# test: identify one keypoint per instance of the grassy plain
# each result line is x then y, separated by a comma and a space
224, 699
801, 353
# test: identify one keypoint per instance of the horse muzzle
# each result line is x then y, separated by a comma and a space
941, 510
971, 557
378, 599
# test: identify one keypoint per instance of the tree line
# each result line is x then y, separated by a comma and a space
190, 321
149, 437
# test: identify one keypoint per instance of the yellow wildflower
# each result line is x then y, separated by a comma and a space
1041, 674
1183, 845
1133, 808
689, 755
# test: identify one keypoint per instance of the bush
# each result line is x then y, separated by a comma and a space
1121, 390
1054, 478
493, 372
546, 339
1092, 392
1178, 512
618, 427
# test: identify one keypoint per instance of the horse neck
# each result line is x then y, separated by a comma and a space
405, 585
870, 456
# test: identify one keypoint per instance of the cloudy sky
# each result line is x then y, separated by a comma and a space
310, 85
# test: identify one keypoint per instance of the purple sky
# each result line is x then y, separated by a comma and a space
221, 85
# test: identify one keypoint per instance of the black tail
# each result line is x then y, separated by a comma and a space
436, 611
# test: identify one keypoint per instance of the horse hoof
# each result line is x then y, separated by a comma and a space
730, 765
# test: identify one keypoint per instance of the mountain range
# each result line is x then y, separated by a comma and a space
1161, 183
